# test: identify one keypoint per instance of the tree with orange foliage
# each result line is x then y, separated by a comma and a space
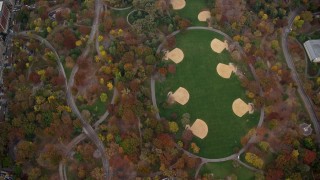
122, 168
164, 141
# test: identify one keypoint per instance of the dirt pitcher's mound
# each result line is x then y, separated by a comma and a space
218, 46
199, 128
225, 71
181, 96
178, 4
240, 108
204, 15
176, 55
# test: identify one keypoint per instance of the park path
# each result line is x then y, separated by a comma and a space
86, 126
70, 100
305, 98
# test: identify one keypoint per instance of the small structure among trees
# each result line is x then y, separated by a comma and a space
306, 129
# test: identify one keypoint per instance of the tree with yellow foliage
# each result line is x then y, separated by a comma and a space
109, 85
103, 97
254, 160
101, 81
41, 73
51, 98
264, 145
275, 44
173, 127
49, 29
110, 137
78, 43
97, 59
264, 17
237, 38
100, 38
295, 154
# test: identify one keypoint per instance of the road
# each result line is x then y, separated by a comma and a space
305, 98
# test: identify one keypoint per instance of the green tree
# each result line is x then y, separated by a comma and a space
130, 145
307, 16
150, 59
185, 119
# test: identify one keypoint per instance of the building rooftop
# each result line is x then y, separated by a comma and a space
313, 49
1, 5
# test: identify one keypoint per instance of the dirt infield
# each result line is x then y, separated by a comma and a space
204, 15
181, 96
240, 108
199, 128
176, 55
178, 4
225, 71
218, 46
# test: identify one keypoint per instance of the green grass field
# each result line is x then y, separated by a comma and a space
123, 13
191, 11
211, 96
223, 169
98, 108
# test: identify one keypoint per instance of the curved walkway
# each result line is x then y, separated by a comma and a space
305, 98
235, 156
86, 127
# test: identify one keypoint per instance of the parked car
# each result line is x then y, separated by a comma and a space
5, 175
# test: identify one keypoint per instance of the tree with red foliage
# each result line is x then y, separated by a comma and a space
58, 38
58, 80
191, 162
43, 12
122, 168
163, 141
83, 62
183, 23
135, 85
111, 109
129, 116
84, 30
274, 174
309, 156
108, 24
80, 78
59, 16
172, 68
69, 39
186, 138
170, 43
34, 78
121, 23
163, 71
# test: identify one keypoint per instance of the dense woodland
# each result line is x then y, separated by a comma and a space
121, 58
